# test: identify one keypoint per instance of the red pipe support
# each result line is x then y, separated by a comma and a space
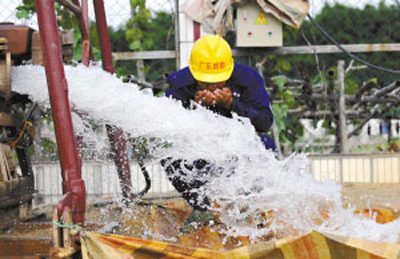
104, 37
83, 22
73, 185
72, 7
81, 12
115, 135
82, 15
196, 31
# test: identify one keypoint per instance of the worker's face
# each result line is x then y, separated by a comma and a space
211, 86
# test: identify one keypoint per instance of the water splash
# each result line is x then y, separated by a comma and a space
256, 194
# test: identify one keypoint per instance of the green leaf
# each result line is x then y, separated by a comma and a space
280, 81
23, 14
373, 80
351, 86
134, 45
280, 113
129, 34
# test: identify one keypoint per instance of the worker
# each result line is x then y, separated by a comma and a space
214, 81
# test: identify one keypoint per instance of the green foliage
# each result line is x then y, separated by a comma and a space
348, 25
147, 31
351, 86
135, 33
26, 10
288, 127
49, 149
143, 147
94, 40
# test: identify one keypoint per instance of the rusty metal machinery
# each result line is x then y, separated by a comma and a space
18, 44
49, 52
16, 190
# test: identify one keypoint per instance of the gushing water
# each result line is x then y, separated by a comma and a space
278, 195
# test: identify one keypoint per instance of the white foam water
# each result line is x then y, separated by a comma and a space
253, 182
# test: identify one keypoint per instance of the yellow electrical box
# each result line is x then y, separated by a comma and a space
255, 28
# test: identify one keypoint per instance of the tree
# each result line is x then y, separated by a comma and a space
348, 26
153, 33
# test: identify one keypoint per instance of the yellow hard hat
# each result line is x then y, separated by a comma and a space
211, 59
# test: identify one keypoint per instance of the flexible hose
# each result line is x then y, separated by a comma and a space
146, 177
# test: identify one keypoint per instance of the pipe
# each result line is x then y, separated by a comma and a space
83, 23
104, 37
177, 37
196, 31
71, 6
115, 135
81, 13
73, 185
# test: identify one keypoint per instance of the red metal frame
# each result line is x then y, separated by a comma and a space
81, 13
196, 31
73, 185
104, 37
115, 135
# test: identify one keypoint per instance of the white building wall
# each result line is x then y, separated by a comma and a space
186, 34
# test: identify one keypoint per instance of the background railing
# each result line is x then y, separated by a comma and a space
101, 178
363, 168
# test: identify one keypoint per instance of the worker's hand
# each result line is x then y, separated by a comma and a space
224, 96
205, 97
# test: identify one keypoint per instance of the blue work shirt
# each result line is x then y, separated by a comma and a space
249, 97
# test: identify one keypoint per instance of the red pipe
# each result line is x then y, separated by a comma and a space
104, 37
81, 12
71, 6
196, 31
73, 185
115, 135
83, 21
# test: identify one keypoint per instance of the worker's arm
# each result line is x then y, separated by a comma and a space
261, 118
172, 93
176, 92
253, 102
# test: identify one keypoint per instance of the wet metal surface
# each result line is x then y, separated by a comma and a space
12, 247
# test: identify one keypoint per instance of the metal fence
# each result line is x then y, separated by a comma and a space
383, 168
101, 178
118, 12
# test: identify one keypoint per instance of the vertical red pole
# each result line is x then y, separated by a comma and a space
115, 135
104, 37
196, 31
73, 185
83, 22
